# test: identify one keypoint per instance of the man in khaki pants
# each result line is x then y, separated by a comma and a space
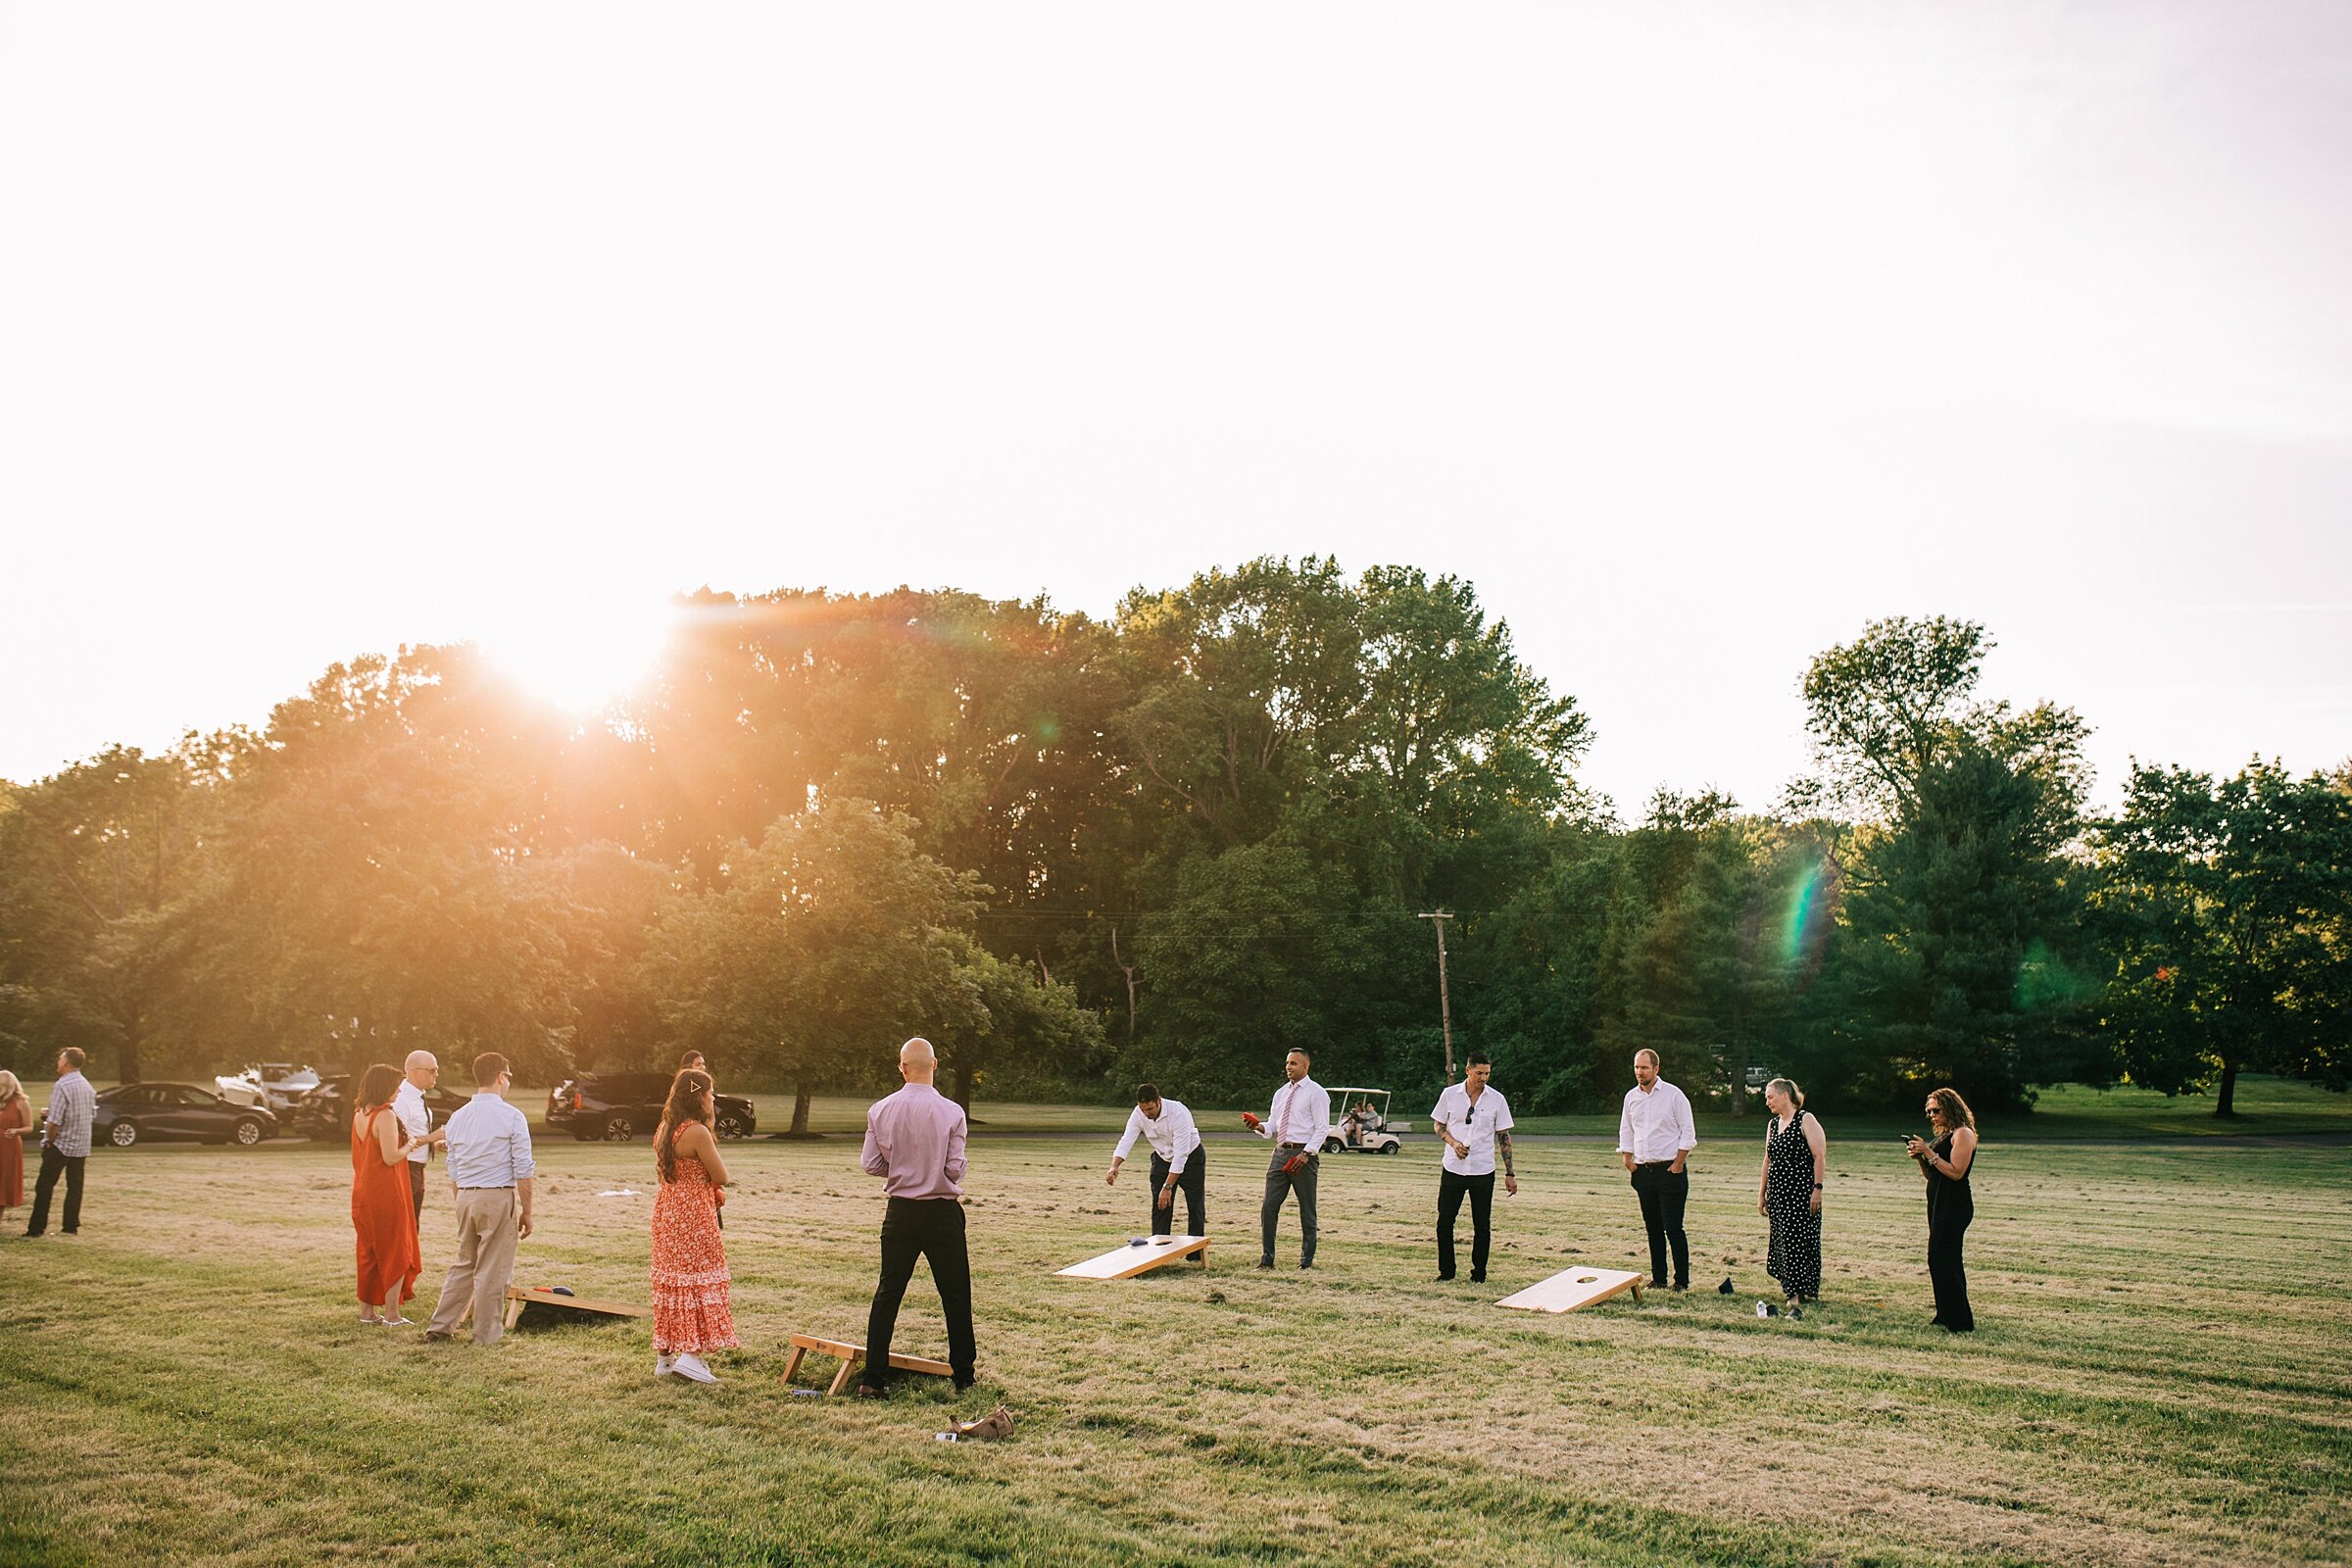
490, 1166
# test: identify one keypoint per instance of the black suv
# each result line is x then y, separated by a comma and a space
324, 1113
619, 1106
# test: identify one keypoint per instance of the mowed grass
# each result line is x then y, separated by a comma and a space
2162, 1377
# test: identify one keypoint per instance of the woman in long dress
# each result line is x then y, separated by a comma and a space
690, 1316
382, 1217
1788, 1192
16, 1120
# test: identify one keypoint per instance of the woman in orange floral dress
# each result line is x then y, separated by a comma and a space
381, 1214
690, 1261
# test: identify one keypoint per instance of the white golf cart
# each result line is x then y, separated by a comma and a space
1360, 1123
270, 1085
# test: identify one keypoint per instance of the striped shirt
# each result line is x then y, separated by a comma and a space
72, 1105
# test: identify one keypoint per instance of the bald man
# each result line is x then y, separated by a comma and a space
417, 1074
914, 1142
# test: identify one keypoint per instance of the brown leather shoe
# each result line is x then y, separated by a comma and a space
866, 1391
993, 1427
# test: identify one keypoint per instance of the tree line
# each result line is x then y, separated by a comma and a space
1077, 851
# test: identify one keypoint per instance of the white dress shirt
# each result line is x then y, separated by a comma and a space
1301, 1114
1473, 1125
1655, 1124
408, 1105
1172, 1135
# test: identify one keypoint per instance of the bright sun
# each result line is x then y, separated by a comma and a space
581, 657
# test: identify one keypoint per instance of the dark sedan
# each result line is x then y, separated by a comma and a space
136, 1113
324, 1113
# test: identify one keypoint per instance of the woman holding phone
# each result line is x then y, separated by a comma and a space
1945, 1163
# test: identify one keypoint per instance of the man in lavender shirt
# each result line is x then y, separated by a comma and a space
914, 1142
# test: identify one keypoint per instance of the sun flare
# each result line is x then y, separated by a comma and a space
580, 656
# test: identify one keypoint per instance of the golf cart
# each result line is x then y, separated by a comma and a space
1360, 1123
272, 1085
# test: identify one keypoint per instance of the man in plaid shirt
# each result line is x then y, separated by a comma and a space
65, 1142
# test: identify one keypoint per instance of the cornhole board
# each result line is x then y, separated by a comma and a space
519, 1298
850, 1354
1126, 1262
1572, 1288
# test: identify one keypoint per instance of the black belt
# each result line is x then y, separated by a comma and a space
1652, 1164
503, 1186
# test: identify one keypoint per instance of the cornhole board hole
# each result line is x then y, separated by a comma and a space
519, 1298
1126, 1262
850, 1354
1572, 1288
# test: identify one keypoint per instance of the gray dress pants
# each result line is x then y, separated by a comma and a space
1280, 1183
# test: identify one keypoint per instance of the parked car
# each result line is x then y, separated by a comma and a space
135, 1112
619, 1106
276, 1086
1758, 1077
324, 1113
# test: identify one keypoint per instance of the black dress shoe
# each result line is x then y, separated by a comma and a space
1478, 1279
961, 1384
1265, 1263
1443, 1278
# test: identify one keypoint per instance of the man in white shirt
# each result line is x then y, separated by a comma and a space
1655, 1138
1176, 1161
417, 1074
490, 1167
1475, 1121
1298, 1122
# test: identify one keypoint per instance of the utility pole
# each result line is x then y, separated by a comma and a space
1444, 1003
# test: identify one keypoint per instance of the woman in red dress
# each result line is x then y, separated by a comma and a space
381, 1212
690, 1261
16, 1120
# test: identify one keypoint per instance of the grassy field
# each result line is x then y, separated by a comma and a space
2162, 1377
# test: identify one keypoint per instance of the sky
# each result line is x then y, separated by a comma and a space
1695, 336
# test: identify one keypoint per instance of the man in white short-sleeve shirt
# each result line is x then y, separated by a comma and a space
420, 1072
1177, 1162
1475, 1122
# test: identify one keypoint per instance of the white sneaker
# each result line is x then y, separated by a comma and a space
691, 1366
662, 1364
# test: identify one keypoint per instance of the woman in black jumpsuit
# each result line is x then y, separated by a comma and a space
1945, 1163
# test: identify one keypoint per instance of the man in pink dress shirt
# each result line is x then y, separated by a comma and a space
914, 1142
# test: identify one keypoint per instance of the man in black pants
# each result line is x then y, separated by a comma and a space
914, 1142
1655, 1138
1475, 1122
65, 1142
1178, 1161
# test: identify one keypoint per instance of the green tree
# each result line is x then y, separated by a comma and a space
2226, 909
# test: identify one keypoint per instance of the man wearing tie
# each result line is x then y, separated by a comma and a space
914, 1142
1298, 1122
1176, 1161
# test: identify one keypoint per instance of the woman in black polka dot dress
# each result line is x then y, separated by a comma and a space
1796, 1157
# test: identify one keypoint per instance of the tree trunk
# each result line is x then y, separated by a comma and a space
963, 1090
800, 1112
2224, 1103
126, 1060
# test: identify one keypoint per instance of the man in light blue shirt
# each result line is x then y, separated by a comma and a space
490, 1166
65, 1143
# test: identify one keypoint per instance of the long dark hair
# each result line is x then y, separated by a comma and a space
685, 1103
1956, 1114
377, 1085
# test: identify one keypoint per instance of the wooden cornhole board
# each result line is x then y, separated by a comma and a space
850, 1354
1572, 1288
1126, 1262
517, 1297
